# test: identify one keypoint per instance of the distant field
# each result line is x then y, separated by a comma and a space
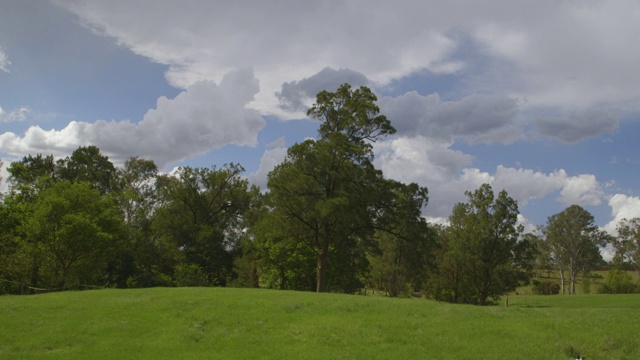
224, 323
596, 280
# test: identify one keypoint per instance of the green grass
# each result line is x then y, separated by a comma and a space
224, 323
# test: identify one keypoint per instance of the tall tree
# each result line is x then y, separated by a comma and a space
135, 192
486, 251
627, 244
325, 193
574, 240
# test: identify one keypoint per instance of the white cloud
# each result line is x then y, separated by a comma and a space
622, 207
448, 174
581, 190
283, 41
202, 117
270, 159
4, 62
4, 175
430, 163
14, 115
571, 55
525, 184
574, 54
529, 227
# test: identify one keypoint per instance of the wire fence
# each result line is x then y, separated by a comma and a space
24, 289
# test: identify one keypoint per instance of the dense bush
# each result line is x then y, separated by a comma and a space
619, 282
545, 287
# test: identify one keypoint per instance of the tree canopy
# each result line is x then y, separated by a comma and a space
329, 220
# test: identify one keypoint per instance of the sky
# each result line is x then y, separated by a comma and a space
539, 98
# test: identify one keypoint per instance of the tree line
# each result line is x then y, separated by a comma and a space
328, 221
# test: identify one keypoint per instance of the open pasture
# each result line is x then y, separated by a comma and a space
225, 323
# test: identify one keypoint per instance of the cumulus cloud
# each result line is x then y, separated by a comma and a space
571, 55
202, 117
432, 164
448, 174
288, 41
581, 190
525, 184
622, 207
475, 118
578, 126
283, 41
295, 95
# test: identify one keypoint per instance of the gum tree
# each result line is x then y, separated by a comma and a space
574, 241
324, 195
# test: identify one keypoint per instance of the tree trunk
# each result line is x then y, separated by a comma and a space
562, 280
321, 278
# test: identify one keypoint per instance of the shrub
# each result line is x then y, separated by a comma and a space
545, 287
619, 282
189, 275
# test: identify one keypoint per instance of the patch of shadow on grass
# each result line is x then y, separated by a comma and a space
197, 330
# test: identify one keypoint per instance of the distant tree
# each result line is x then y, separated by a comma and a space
627, 243
573, 240
484, 255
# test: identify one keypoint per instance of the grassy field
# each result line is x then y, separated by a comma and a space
223, 323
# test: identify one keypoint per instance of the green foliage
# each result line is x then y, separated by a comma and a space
405, 243
482, 254
322, 200
545, 287
63, 237
627, 244
201, 218
619, 282
87, 164
189, 275
573, 241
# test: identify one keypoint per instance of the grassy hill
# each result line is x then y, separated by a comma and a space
224, 323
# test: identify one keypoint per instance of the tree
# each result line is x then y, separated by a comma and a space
573, 241
404, 241
72, 231
31, 174
325, 193
87, 164
627, 244
136, 196
199, 219
485, 256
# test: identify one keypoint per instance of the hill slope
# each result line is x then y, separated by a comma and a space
224, 323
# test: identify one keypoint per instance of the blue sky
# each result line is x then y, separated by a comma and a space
538, 98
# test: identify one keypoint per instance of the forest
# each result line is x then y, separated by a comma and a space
328, 221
